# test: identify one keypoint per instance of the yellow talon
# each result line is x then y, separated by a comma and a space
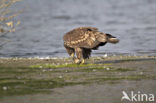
83, 61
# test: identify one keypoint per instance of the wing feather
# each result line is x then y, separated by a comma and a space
78, 35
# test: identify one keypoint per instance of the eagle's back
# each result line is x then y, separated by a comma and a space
81, 37
78, 33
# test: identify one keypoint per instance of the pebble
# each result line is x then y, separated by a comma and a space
18, 77
141, 73
105, 55
107, 68
40, 67
5, 88
43, 70
60, 76
94, 70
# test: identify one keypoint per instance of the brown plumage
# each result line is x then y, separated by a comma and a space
83, 40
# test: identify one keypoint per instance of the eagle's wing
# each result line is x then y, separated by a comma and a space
78, 35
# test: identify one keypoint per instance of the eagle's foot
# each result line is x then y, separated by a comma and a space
82, 61
77, 61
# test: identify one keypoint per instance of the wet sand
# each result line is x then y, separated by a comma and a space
55, 80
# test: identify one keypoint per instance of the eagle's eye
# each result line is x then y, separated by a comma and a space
110, 36
89, 29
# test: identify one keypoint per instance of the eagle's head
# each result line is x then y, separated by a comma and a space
111, 39
105, 37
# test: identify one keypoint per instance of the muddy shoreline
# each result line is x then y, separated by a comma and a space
57, 79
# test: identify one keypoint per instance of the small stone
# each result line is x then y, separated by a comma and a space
107, 68
105, 55
60, 76
141, 73
40, 67
94, 70
5, 88
43, 70
18, 77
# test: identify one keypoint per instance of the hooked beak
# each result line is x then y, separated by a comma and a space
113, 40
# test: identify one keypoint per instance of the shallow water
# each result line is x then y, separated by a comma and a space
44, 22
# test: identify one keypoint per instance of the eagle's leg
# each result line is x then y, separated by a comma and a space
79, 54
73, 55
70, 51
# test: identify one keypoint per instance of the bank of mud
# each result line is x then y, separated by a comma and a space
51, 78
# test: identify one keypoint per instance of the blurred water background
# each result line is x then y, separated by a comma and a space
44, 22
